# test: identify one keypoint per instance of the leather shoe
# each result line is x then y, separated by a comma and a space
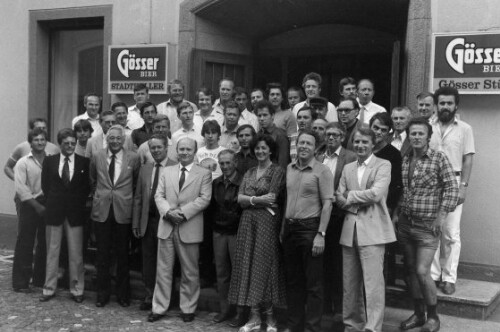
186, 318
101, 302
412, 322
45, 298
123, 302
154, 317
432, 325
448, 288
77, 298
25, 290
145, 306
238, 321
219, 318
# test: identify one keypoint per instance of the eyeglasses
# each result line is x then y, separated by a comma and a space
334, 135
345, 110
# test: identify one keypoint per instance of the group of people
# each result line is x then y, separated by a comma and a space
300, 199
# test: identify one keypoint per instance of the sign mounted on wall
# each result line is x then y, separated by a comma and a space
469, 62
129, 65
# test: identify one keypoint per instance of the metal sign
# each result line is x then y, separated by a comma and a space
469, 62
130, 65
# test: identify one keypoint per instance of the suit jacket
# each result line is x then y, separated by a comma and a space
366, 209
405, 148
142, 196
94, 145
192, 200
119, 194
65, 202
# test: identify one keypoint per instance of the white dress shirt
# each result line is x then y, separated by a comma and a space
71, 164
118, 163
331, 161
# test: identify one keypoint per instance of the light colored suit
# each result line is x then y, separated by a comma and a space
95, 143
182, 240
367, 228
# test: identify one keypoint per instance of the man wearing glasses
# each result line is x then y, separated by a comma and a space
348, 111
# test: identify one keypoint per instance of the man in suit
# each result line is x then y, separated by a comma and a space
400, 116
65, 182
348, 111
113, 175
184, 191
145, 213
367, 228
335, 157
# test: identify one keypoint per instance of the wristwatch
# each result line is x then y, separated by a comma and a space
322, 233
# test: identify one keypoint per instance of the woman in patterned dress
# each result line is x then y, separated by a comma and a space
257, 276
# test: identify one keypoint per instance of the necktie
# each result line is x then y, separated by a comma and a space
362, 114
182, 178
111, 169
397, 142
65, 172
155, 183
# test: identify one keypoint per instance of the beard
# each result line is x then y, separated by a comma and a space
446, 116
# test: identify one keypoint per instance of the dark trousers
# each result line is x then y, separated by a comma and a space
333, 264
31, 227
149, 255
112, 241
304, 274
206, 260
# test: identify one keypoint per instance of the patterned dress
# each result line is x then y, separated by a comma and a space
258, 274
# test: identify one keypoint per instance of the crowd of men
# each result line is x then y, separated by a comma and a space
358, 178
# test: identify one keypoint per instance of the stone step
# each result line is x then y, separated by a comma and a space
472, 299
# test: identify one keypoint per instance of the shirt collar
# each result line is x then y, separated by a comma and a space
163, 163
235, 178
118, 155
188, 167
310, 164
367, 161
87, 117
225, 130
71, 158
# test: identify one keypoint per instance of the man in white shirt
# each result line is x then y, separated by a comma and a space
169, 107
141, 95
312, 87
241, 98
226, 90
92, 104
185, 113
366, 91
401, 116
205, 111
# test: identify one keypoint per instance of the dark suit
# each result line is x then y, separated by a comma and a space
112, 214
145, 218
405, 148
65, 209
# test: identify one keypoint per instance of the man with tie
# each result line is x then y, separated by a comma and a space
348, 112
366, 91
145, 214
65, 182
367, 229
400, 116
113, 175
335, 157
184, 191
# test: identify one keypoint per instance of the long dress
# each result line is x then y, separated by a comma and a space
258, 272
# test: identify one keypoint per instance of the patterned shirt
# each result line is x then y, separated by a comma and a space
433, 186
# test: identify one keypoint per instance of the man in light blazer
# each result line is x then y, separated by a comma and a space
113, 175
367, 228
184, 191
145, 213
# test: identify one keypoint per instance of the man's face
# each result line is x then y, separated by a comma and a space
349, 90
363, 146
107, 121
446, 108
231, 117
265, 117
186, 151
304, 120
38, 144
158, 149
319, 127
293, 98
40, 124
365, 92
346, 112
241, 100
186, 117
68, 146
275, 97
141, 97
92, 106
226, 90
121, 115
320, 110
211, 138
83, 136
115, 140
400, 120
176, 93
245, 138
161, 127
334, 138
305, 147
381, 131
149, 114
204, 102
255, 97
311, 88
425, 107
419, 136
227, 164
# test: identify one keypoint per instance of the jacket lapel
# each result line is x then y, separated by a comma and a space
174, 179
368, 170
339, 168
354, 176
191, 177
124, 167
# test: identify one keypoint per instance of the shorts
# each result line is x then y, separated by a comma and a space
418, 235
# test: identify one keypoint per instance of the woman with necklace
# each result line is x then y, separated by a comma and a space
258, 277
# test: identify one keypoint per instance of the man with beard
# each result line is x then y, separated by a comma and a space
455, 139
245, 158
134, 119
169, 107
256, 95
265, 113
